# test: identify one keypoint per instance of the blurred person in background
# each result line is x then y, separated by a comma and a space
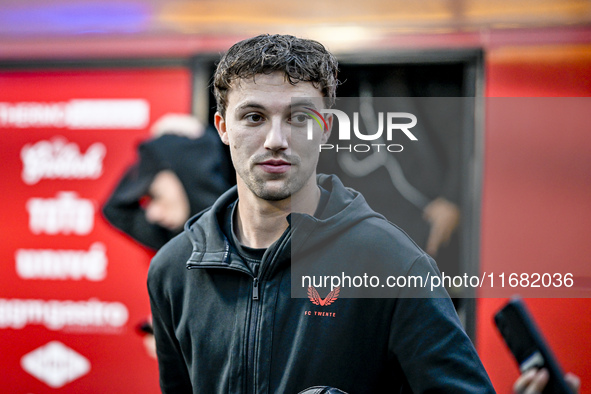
418, 188
181, 170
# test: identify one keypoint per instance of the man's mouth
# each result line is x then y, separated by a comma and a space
275, 166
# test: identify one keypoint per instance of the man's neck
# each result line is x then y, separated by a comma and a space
260, 222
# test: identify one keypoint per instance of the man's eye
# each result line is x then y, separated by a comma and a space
299, 119
254, 118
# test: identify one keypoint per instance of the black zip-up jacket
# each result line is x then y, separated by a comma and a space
221, 329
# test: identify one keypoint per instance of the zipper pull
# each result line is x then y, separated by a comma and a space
255, 289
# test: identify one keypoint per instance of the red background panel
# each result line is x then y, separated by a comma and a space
536, 214
119, 362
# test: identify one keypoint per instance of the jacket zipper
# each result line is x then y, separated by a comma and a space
255, 288
252, 330
255, 306
253, 324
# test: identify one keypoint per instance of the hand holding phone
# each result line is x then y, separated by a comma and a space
534, 381
527, 345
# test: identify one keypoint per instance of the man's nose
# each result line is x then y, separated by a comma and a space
277, 136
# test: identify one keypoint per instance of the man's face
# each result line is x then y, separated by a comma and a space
267, 135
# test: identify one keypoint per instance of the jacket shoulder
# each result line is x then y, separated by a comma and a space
388, 238
170, 263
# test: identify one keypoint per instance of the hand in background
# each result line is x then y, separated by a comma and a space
534, 381
150, 345
444, 218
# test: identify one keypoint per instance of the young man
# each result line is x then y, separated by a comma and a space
220, 292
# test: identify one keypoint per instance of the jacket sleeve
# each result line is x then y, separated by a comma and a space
123, 211
428, 341
174, 376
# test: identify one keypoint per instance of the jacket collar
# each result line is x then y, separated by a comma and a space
211, 248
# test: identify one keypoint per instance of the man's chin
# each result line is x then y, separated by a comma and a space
273, 195
273, 191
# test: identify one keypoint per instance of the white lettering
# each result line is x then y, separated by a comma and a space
25, 114
370, 137
60, 159
361, 148
77, 114
62, 264
55, 315
107, 114
65, 214
404, 127
345, 125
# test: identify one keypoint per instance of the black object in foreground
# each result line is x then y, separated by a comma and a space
529, 348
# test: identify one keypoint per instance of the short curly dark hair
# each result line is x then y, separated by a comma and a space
300, 59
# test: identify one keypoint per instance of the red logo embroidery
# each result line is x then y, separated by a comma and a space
330, 298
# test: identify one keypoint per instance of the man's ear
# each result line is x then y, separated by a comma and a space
220, 125
326, 133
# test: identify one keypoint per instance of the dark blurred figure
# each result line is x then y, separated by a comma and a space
181, 170
419, 188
